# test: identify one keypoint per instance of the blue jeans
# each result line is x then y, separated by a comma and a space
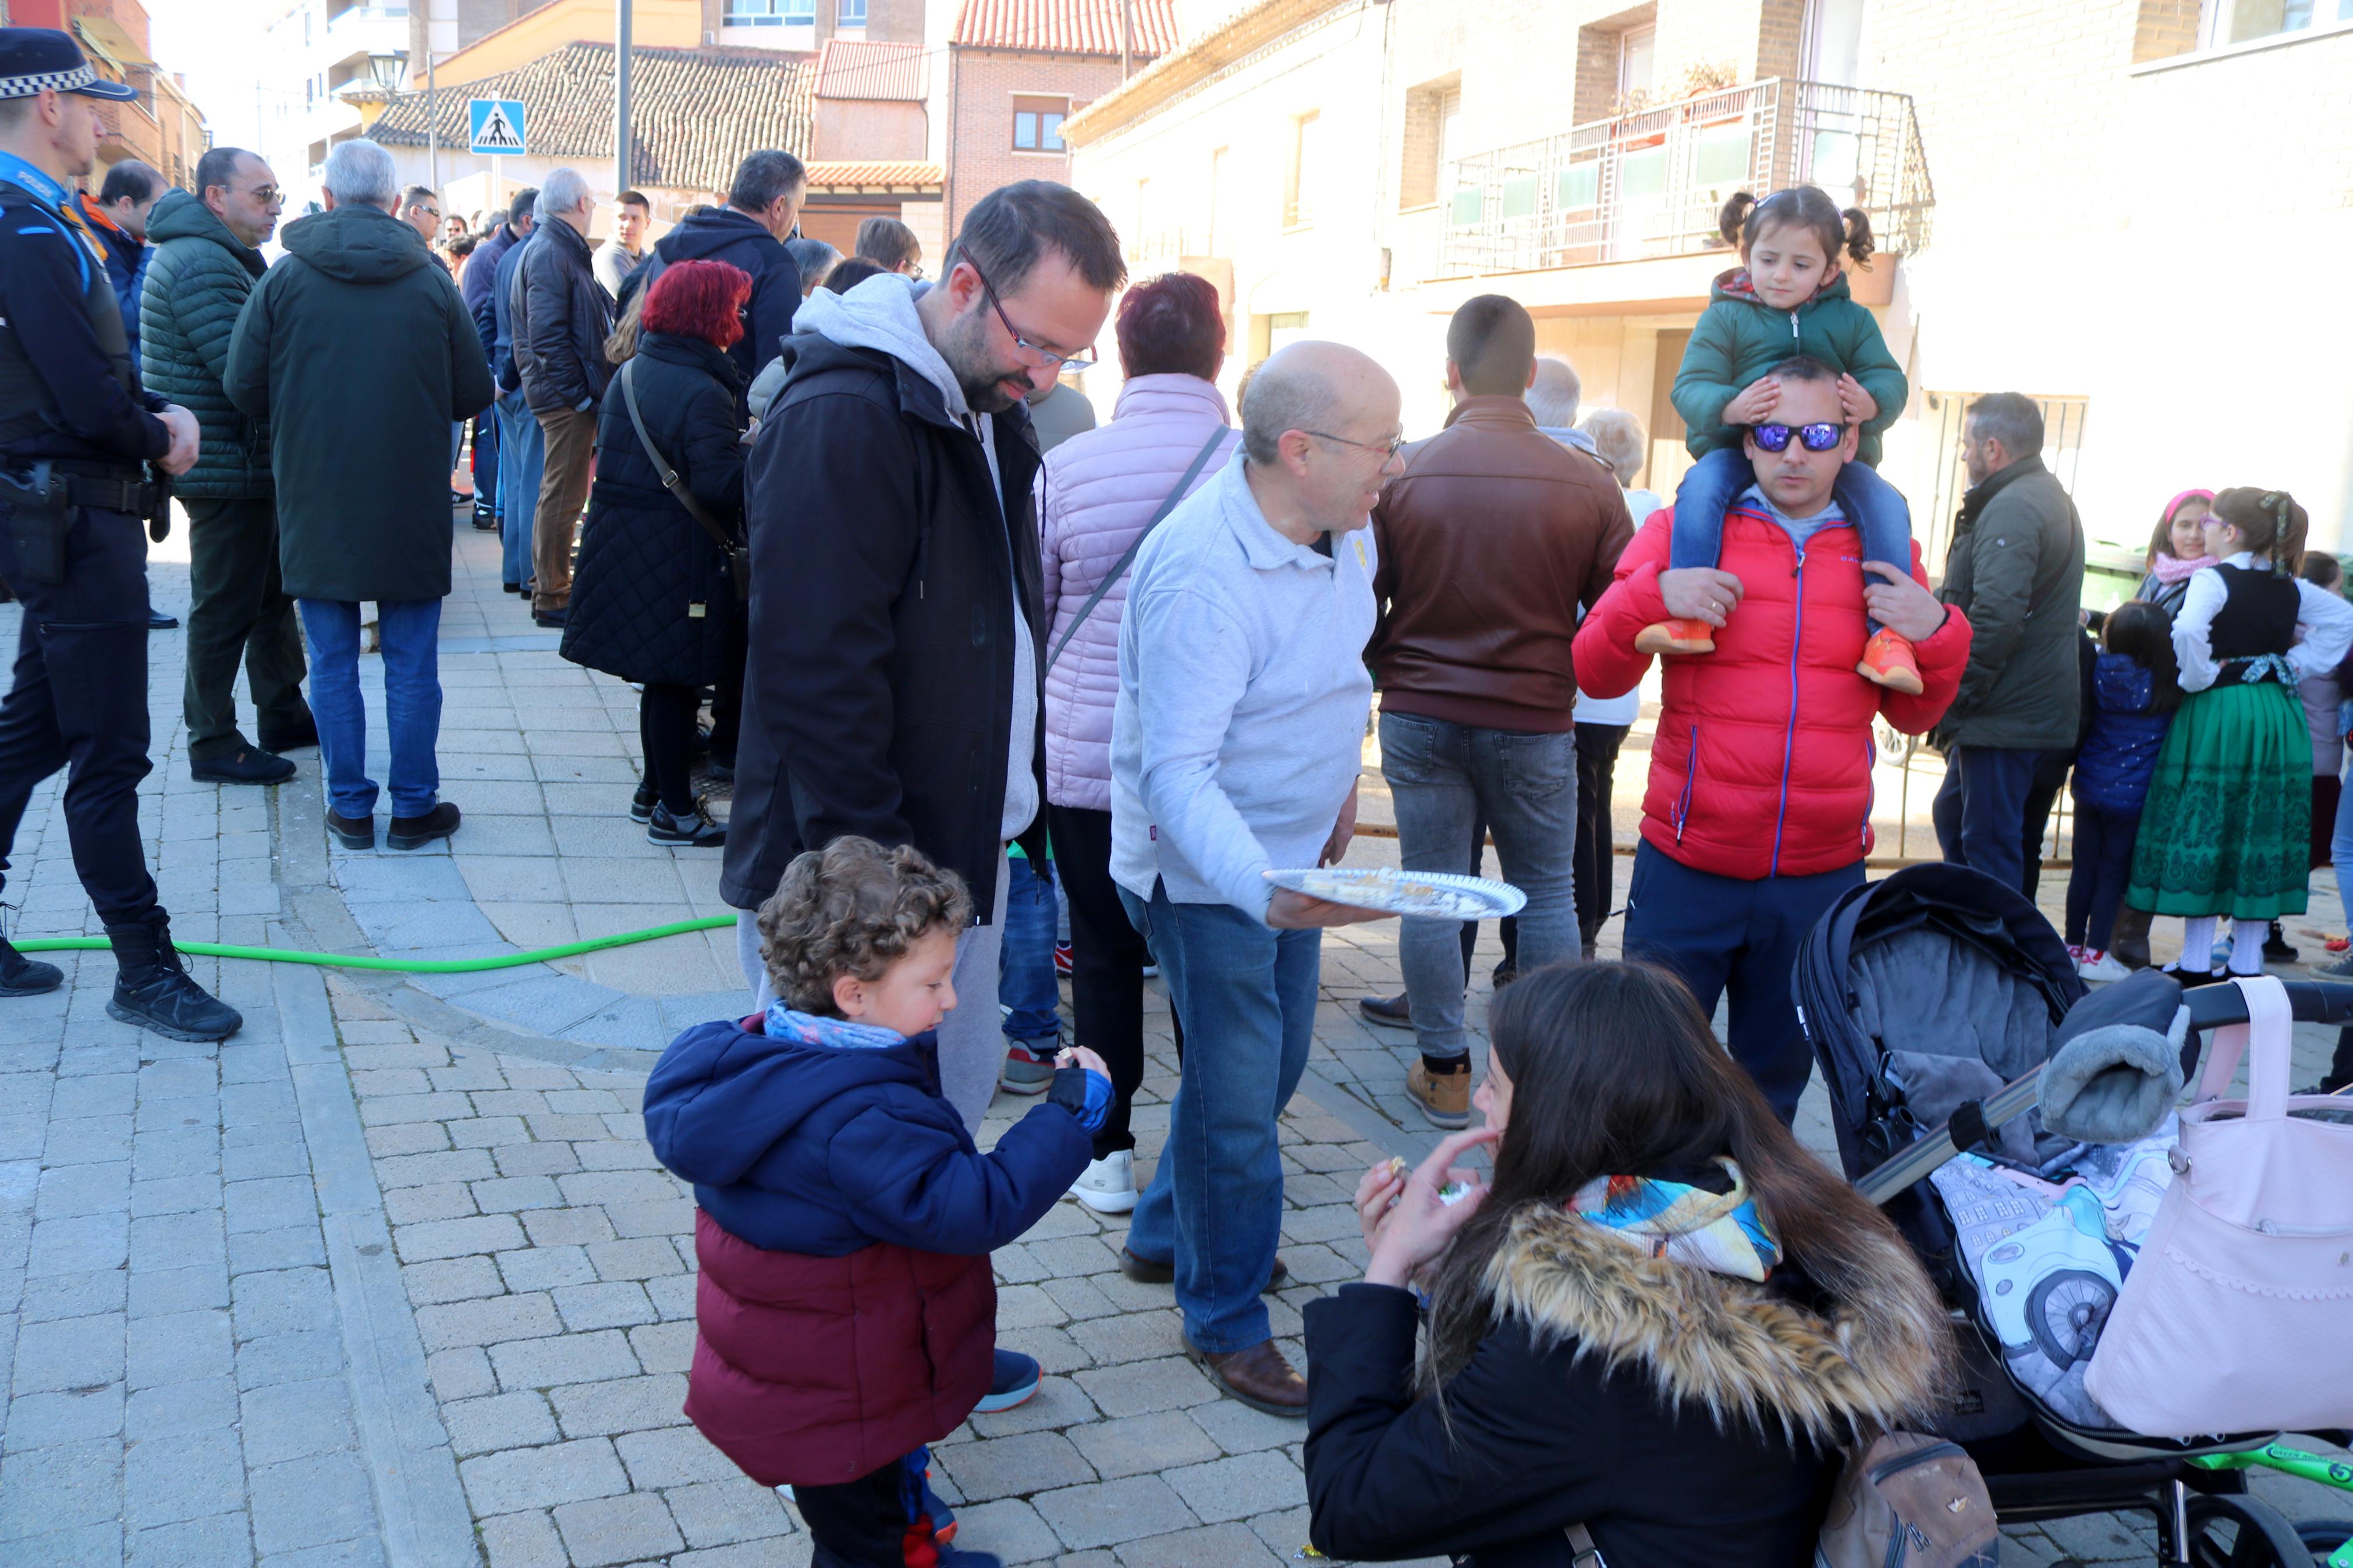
1025, 963
1445, 779
1981, 810
2340, 851
410, 631
1247, 993
486, 461
1718, 932
1711, 485
523, 454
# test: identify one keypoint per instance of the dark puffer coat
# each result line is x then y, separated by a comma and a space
644, 565
198, 277
845, 1312
2119, 756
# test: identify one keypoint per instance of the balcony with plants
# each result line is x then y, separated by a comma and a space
1647, 182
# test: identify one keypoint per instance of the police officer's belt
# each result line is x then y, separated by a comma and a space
106, 487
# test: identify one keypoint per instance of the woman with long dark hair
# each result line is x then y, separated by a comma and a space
653, 600
1661, 1320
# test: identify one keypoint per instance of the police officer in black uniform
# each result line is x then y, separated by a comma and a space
77, 435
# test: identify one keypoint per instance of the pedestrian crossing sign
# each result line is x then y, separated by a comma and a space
495, 126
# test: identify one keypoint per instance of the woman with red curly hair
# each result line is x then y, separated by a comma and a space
653, 600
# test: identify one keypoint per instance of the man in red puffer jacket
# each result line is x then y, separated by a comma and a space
1759, 811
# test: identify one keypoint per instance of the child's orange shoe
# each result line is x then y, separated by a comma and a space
1675, 635
1887, 661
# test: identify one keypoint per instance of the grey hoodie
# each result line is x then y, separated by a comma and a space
880, 313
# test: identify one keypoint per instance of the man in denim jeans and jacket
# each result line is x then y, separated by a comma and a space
1490, 542
1236, 741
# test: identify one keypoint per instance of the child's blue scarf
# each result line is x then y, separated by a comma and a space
781, 1023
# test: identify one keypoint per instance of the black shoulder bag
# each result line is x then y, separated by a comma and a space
739, 556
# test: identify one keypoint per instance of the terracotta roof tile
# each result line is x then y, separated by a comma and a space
871, 71
1065, 26
698, 111
900, 173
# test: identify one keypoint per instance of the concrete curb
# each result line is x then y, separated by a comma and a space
420, 1504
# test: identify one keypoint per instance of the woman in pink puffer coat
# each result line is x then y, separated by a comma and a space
1095, 495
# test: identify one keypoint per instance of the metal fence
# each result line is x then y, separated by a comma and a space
1649, 182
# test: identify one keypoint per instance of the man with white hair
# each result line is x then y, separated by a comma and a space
361, 456
562, 316
1235, 748
1551, 399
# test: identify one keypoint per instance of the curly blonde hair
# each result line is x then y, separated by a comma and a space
852, 908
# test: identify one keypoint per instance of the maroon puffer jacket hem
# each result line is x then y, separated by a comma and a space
817, 1371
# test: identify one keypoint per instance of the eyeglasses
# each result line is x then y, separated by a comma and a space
1047, 358
1387, 449
265, 194
1818, 437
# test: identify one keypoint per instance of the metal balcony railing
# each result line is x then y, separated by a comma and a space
1649, 182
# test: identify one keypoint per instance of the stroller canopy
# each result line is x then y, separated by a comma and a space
1924, 990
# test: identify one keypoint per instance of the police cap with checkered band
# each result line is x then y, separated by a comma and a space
42, 59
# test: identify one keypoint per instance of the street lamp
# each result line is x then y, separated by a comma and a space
387, 67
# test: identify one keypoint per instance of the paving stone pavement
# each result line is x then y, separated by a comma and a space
392, 1276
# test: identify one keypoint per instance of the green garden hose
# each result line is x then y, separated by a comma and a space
403, 965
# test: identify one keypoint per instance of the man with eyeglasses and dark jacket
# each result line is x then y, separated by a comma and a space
895, 681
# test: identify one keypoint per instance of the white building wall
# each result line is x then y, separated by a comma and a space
306, 53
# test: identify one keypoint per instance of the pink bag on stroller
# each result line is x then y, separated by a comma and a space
2235, 1315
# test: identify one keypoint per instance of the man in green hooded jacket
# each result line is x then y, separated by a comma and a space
204, 262
357, 350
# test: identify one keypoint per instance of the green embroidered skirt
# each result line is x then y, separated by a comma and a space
2228, 826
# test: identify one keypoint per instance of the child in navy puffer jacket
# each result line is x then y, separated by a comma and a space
2135, 692
845, 1315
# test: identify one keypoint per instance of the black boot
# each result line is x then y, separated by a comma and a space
22, 977
152, 991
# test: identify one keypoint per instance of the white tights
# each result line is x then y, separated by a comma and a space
2246, 944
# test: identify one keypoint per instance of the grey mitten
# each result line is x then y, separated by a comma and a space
2115, 1082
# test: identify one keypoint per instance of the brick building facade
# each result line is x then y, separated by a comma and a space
163, 127
1011, 72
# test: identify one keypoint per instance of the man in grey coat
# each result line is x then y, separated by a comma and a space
2017, 570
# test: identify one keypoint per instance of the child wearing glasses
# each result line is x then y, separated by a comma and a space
1788, 298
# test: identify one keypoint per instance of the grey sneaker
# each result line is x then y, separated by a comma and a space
1027, 1071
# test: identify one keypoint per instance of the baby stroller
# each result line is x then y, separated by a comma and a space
1933, 999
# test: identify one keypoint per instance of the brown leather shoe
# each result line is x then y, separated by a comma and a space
1150, 1271
1260, 1378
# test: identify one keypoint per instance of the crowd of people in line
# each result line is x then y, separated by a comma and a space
965, 650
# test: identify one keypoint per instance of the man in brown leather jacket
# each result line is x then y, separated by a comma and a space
1489, 542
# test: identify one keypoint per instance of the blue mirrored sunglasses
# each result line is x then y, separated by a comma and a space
1819, 437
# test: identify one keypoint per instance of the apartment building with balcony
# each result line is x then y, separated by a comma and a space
2127, 208
315, 49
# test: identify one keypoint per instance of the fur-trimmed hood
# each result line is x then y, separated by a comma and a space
1877, 1359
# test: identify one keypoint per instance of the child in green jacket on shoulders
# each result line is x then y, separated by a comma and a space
1789, 298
